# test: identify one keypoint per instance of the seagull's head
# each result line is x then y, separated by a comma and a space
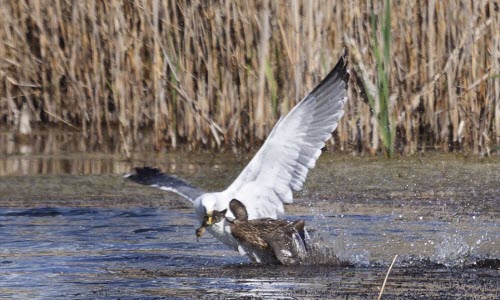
205, 208
207, 213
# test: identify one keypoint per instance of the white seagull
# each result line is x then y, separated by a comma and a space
280, 165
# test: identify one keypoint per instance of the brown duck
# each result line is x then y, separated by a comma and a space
275, 240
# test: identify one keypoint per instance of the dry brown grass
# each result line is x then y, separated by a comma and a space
220, 73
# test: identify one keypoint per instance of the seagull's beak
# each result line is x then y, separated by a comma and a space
208, 219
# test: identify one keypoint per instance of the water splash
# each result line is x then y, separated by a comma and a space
454, 251
323, 249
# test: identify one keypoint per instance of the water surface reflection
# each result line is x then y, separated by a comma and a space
83, 253
72, 228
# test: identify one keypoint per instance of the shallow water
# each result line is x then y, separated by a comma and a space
72, 228
84, 253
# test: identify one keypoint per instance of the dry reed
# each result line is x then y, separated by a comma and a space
386, 276
220, 73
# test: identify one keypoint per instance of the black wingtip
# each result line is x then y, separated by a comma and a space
342, 63
155, 178
147, 171
339, 71
144, 175
341, 67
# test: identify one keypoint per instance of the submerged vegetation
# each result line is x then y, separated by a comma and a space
221, 73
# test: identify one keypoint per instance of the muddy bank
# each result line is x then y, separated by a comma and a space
452, 177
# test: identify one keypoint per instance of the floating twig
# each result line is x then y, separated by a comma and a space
386, 276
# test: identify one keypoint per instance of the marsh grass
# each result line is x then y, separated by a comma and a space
379, 101
221, 73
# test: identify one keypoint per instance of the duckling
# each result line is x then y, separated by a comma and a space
273, 240
214, 218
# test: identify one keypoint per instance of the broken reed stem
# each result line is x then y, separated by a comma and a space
62, 120
386, 276
124, 143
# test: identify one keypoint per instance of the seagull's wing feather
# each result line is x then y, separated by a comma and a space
153, 177
292, 148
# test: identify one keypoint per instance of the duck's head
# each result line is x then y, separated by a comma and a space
239, 210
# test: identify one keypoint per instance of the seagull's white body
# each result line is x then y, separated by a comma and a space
280, 166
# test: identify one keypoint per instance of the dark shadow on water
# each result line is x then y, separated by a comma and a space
50, 212
36, 212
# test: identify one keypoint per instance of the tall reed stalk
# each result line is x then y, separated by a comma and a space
380, 102
214, 74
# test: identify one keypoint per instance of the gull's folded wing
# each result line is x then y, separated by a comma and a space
292, 148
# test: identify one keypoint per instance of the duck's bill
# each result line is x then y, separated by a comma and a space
207, 221
199, 232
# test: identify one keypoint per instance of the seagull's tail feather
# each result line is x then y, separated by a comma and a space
153, 177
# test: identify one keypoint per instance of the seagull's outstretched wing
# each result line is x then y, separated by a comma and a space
153, 177
292, 148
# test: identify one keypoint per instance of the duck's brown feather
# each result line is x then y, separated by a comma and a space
238, 209
276, 237
259, 233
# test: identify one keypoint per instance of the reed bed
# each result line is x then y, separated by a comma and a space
221, 73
